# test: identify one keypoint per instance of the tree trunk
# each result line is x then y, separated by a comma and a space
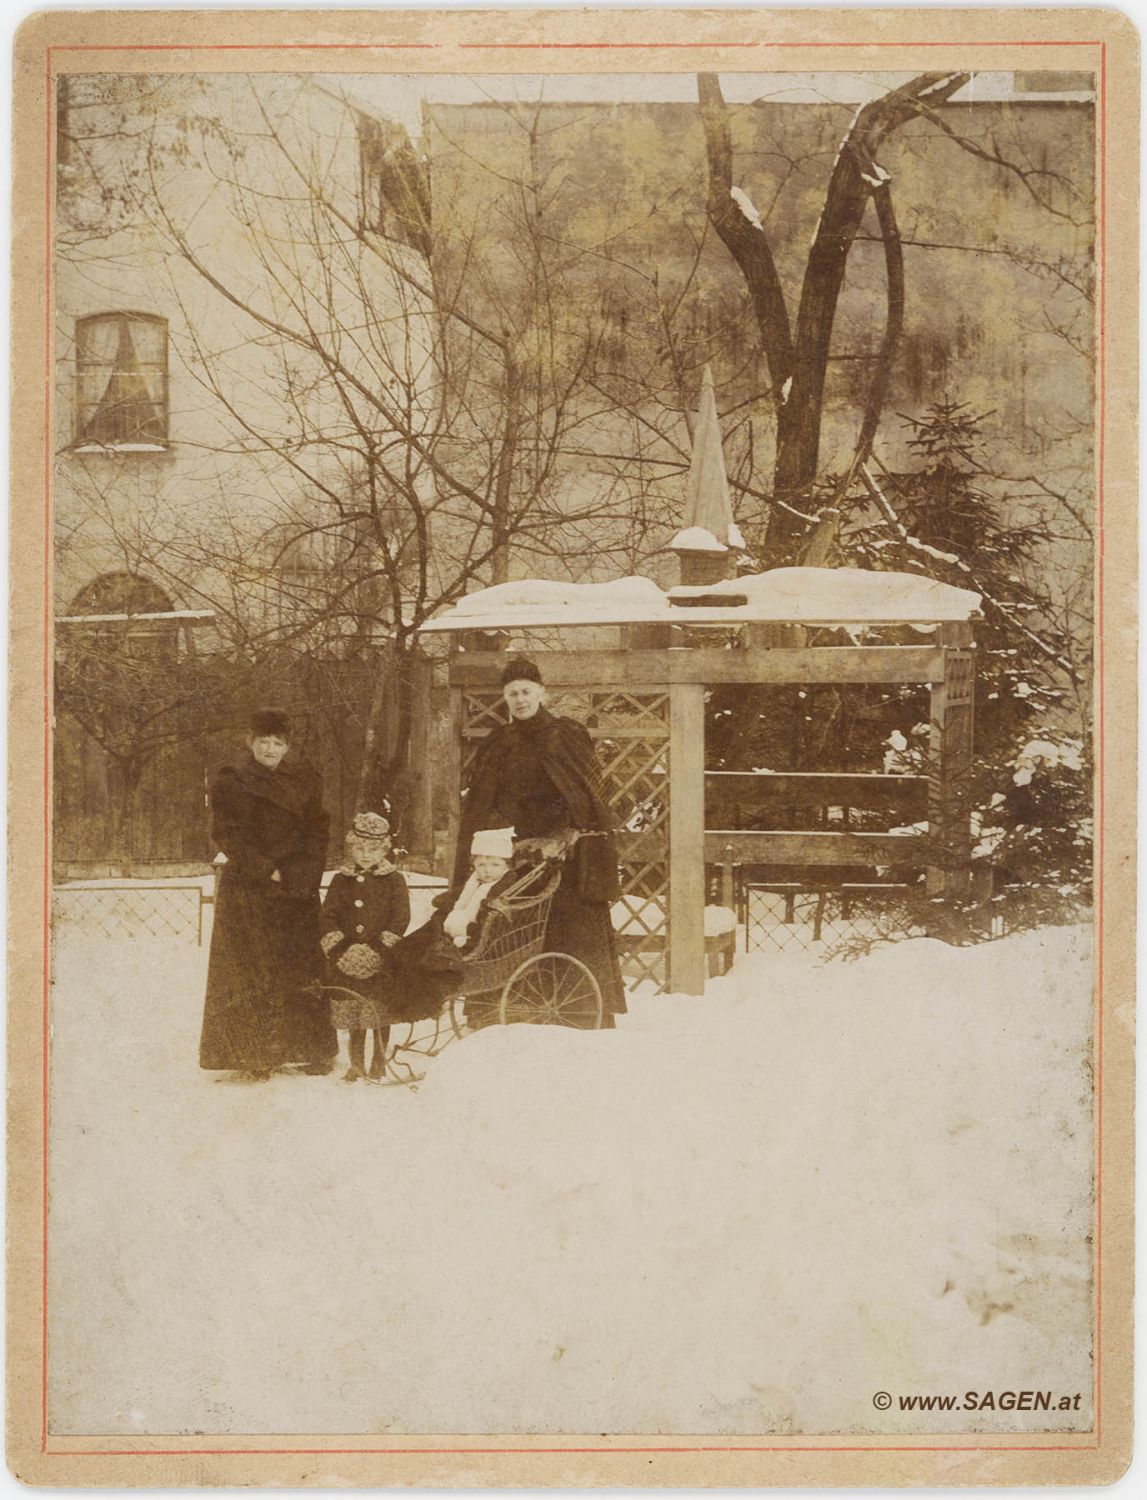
748, 245
798, 362
855, 178
130, 770
386, 741
418, 813
501, 521
373, 741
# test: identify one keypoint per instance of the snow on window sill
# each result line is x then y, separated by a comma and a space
120, 447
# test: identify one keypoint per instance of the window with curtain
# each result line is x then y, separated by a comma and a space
121, 372
394, 192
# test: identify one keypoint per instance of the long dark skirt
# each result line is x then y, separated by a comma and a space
583, 929
263, 1007
423, 972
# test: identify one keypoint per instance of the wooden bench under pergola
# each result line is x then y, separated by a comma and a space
633, 663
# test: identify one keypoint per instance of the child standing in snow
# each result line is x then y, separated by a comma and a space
365, 913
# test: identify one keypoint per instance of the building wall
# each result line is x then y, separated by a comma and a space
258, 443
998, 287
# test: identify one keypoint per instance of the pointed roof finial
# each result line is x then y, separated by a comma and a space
708, 520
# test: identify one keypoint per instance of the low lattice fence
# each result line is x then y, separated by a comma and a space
793, 918
173, 912
775, 917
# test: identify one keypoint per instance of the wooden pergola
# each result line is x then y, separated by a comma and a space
636, 670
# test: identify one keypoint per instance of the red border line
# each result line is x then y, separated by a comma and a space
1100, 542
49, 375
1101, 402
604, 46
713, 1448
249, 47
523, 46
719, 46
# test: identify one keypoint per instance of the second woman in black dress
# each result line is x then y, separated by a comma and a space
538, 774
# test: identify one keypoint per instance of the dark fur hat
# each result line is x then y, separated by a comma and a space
269, 721
520, 669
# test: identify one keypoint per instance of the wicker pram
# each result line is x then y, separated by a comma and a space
503, 945
509, 962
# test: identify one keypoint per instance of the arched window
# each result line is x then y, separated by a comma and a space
121, 594
129, 614
121, 381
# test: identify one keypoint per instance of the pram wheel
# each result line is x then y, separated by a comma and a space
552, 989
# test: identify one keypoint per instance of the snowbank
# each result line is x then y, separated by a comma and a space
743, 1213
701, 539
696, 539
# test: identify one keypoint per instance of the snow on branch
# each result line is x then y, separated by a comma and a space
916, 545
747, 207
941, 83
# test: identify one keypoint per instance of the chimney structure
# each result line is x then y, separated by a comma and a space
709, 542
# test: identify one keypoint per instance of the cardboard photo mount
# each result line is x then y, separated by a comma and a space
49, 45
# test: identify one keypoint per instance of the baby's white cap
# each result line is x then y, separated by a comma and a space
498, 843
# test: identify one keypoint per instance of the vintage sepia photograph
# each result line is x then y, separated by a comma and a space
574, 634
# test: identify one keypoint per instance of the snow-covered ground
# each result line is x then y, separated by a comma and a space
745, 1213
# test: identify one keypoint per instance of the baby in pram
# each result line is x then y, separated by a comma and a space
491, 855
426, 964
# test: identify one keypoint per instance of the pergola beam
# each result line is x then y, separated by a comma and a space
773, 790
712, 667
809, 848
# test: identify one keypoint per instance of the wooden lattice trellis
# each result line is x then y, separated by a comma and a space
630, 731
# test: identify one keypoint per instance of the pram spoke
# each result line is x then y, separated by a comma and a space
552, 989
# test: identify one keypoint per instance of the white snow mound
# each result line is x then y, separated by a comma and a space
543, 601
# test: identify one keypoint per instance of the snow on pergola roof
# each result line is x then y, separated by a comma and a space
825, 596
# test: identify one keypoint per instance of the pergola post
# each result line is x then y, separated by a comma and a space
452, 767
687, 838
950, 761
419, 830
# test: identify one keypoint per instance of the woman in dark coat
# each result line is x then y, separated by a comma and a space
263, 1008
539, 775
